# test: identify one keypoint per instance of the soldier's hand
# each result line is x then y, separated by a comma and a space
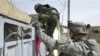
36, 24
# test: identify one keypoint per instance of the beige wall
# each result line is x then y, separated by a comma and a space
10, 10
95, 33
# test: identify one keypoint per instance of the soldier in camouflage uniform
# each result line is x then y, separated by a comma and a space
78, 46
48, 16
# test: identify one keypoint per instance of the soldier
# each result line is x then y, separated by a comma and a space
78, 46
48, 16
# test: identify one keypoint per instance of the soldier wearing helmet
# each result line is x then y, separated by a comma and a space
77, 29
78, 46
46, 15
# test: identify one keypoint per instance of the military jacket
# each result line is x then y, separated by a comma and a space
71, 48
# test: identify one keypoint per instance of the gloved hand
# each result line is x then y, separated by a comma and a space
36, 24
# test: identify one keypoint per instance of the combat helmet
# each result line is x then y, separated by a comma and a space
78, 27
37, 7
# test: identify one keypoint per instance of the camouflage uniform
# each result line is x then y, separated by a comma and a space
74, 47
48, 15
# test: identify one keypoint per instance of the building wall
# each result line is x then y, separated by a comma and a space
10, 10
95, 33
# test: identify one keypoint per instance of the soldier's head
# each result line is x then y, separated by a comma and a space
39, 8
78, 29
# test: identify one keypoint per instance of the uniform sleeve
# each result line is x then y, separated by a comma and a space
48, 41
72, 48
94, 46
66, 47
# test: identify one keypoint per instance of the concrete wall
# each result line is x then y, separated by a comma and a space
10, 10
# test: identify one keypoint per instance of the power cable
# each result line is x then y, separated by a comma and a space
63, 10
64, 6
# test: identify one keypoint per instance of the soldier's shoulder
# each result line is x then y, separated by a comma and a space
92, 42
